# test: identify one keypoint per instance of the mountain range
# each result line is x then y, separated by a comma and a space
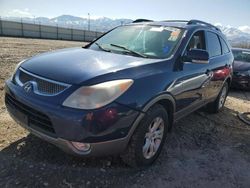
236, 36
101, 24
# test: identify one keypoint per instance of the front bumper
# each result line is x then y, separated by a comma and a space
96, 149
105, 134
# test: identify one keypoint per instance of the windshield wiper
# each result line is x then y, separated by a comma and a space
106, 50
128, 50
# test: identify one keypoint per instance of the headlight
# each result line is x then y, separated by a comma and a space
96, 96
17, 67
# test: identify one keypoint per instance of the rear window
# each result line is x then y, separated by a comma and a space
214, 46
225, 48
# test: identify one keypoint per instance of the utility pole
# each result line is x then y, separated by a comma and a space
89, 21
40, 30
71, 32
1, 27
22, 27
57, 31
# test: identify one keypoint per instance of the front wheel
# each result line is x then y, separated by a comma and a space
218, 104
148, 139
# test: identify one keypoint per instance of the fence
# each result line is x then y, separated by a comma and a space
21, 29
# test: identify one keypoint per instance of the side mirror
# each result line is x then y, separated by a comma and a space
198, 56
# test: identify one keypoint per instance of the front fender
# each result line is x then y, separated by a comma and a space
149, 104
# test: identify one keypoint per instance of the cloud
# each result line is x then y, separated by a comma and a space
20, 13
218, 24
245, 29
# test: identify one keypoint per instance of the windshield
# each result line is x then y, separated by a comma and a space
241, 55
140, 40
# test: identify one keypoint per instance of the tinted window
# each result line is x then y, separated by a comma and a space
224, 46
213, 42
197, 41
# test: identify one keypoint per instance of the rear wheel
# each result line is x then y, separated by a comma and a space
218, 104
148, 139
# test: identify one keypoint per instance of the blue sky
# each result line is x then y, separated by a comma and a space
228, 12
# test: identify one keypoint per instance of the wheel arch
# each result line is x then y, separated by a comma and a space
229, 80
166, 100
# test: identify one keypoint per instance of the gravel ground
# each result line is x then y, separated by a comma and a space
204, 150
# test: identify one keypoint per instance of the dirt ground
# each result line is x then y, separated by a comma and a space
204, 150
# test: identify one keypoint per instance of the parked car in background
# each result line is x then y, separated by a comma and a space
241, 68
122, 93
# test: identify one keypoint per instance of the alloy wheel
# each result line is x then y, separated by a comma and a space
153, 138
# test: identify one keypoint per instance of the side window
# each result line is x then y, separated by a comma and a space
197, 41
214, 47
224, 46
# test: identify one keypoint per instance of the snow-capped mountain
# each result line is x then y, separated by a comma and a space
235, 35
101, 24
245, 29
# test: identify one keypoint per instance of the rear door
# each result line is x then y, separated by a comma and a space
219, 63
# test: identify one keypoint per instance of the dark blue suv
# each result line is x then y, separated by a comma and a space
122, 93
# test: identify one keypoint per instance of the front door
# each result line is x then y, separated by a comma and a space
190, 87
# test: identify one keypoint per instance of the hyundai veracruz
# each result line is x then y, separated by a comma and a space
122, 93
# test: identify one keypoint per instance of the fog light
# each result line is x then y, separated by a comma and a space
81, 146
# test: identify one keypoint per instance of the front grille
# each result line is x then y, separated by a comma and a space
36, 119
44, 86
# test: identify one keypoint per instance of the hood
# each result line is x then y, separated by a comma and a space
241, 66
76, 65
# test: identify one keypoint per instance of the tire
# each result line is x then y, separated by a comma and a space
218, 104
137, 154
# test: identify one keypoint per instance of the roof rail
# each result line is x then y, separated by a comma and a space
176, 21
142, 20
203, 23
190, 22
